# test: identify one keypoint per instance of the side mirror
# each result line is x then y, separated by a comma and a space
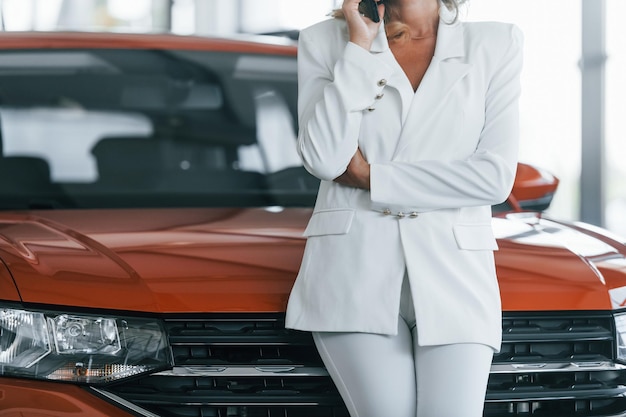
533, 189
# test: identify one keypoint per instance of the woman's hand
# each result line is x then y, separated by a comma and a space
362, 29
357, 174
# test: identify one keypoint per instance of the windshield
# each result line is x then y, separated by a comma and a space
148, 128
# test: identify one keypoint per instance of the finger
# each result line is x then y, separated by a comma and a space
350, 8
359, 155
344, 179
352, 11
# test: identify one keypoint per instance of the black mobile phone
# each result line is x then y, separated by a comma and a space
370, 9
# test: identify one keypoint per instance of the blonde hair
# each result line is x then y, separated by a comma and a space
395, 28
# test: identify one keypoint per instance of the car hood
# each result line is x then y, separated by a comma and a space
157, 260
544, 264
245, 260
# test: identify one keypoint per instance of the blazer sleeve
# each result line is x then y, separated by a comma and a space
332, 96
487, 176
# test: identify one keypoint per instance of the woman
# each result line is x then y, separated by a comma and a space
412, 126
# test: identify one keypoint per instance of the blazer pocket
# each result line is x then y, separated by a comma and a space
330, 222
475, 237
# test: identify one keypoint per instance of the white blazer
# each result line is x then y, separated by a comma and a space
439, 159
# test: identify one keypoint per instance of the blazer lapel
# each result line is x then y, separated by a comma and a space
380, 43
445, 70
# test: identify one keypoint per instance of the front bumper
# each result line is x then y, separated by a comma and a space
24, 398
551, 364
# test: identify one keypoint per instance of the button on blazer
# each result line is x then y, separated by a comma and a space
440, 157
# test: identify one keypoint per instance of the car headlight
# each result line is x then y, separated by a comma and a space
79, 347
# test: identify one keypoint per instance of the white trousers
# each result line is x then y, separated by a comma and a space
379, 375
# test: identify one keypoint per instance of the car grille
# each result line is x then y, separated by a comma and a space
557, 364
551, 364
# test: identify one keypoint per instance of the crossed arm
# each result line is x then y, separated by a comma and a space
357, 174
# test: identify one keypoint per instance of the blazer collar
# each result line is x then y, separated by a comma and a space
443, 73
450, 39
380, 43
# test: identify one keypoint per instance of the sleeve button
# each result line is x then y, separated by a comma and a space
379, 96
382, 82
413, 214
371, 109
386, 212
401, 215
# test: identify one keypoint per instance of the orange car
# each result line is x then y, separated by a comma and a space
152, 206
